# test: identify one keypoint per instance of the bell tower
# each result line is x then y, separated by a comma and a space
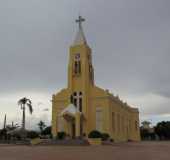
80, 69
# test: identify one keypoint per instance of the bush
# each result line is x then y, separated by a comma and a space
162, 129
95, 134
32, 134
61, 135
111, 140
105, 136
84, 134
3, 134
47, 131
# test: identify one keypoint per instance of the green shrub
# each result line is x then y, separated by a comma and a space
3, 134
61, 135
95, 134
111, 140
32, 134
47, 131
105, 136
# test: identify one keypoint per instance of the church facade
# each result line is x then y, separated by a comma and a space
83, 107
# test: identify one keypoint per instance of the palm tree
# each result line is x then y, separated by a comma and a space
23, 103
41, 126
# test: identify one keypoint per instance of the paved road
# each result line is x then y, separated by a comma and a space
123, 151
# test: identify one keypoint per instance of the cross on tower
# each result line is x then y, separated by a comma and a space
79, 21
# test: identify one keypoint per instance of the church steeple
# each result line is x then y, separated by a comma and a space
80, 37
80, 69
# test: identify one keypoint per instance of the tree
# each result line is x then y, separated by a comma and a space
61, 135
105, 136
3, 134
162, 129
41, 126
32, 134
11, 127
144, 133
23, 103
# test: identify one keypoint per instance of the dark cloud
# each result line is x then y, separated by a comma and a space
130, 43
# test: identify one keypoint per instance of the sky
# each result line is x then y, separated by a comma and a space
130, 45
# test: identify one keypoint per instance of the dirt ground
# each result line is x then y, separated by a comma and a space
121, 151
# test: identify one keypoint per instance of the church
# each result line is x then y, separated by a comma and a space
82, 107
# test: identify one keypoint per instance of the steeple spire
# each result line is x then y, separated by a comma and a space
80, 37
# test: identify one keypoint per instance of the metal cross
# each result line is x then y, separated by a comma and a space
80, 20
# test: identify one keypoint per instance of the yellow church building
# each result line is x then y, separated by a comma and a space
83, 107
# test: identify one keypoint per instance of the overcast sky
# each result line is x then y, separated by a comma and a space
130, 40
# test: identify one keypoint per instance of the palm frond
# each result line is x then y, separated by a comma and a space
29, 101
22, 101
30, 107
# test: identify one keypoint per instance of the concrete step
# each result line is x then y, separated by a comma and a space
68, 142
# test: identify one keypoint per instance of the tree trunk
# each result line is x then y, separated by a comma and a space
23, 118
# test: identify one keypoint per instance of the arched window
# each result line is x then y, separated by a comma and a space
75, 102
71, 99
79, 67
75, 67
99, 119
113, 121
80, 101
136, 125
80, 104
77, 64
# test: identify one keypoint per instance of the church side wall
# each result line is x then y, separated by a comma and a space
118, 121
135, 130
125, 122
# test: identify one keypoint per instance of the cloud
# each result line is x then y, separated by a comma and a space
151, 104
129, 40
14, 112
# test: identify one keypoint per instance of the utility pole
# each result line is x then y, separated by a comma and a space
5, 122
